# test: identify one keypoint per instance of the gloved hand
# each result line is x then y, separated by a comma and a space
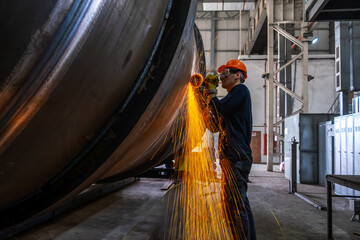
211, 82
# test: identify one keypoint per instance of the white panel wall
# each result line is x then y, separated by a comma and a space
206, 35
227, 40
322, 88
226, 24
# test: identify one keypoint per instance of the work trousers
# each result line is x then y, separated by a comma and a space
236, 206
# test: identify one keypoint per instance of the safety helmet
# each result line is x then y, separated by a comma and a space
235, 64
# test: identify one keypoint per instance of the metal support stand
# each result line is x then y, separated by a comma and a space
329, 211
304, 67
292, 183
356, 207
350, 181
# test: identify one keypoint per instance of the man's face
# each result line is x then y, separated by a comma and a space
229, 80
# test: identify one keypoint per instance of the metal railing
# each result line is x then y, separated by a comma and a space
335, 107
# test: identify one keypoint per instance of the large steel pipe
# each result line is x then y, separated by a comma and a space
90, 89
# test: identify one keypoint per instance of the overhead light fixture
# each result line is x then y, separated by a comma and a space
237, 6
212, 6
314, 40
228, 5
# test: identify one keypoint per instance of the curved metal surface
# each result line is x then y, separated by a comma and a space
112, 77
166, 145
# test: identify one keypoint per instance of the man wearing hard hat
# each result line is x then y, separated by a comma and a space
234, 118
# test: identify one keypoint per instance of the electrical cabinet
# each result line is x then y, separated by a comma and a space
304, 128
355, 105
347, 149
326, 146
357, 147
343, 148
337, 151
342, 56
354, 30
347, 44
350, 149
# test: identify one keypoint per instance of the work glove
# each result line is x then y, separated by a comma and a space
211, 82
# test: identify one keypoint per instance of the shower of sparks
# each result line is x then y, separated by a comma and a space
196, 209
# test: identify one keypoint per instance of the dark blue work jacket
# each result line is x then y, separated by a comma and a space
236, 124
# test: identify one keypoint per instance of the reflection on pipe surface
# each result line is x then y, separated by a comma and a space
90, 91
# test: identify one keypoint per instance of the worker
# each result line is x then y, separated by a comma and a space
233, 117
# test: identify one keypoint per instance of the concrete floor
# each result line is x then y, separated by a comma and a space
279, 215
135, 212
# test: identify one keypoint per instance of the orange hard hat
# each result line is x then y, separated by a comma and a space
234, 64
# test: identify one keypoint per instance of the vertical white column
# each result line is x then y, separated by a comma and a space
304, 67
270, 85
212, 37
240, 32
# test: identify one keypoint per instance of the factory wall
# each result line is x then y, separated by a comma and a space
228, 37
322, 92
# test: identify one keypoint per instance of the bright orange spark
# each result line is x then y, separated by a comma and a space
197, 211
